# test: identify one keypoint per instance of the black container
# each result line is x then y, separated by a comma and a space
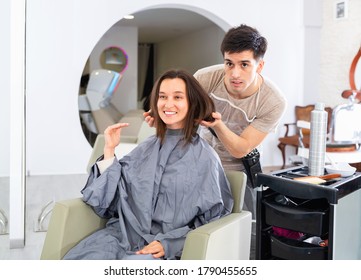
310, 217
284, 248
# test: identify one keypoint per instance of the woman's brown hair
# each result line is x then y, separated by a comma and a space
201, 106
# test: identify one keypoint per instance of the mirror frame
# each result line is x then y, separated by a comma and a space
353, 68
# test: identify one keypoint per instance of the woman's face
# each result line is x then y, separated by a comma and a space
173, 103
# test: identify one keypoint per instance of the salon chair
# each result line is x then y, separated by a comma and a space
226, 238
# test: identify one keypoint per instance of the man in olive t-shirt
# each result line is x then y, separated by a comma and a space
248, 105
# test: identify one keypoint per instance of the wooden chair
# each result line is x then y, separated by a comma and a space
301, 113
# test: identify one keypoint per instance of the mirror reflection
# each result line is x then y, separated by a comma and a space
114, 58
95, 103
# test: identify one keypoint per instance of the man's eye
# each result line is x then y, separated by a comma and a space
244, 65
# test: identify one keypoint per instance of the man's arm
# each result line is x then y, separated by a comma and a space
237, 145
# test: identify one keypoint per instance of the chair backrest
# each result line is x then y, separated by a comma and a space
105, 116
237, 181
228, 238
135, 122
303, 113
145, 131
98, 148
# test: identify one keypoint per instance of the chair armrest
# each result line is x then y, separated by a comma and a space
303, 124
288, 125
217, 240
71, 221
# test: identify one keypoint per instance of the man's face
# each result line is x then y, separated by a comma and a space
241, 73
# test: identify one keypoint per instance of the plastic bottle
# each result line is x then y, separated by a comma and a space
316, 160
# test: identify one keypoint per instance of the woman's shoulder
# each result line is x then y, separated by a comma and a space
207, 150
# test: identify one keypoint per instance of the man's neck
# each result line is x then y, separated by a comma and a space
252, 89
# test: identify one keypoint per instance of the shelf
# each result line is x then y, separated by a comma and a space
310, 217
292, 249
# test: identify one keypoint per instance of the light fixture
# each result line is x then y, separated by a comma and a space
128, 17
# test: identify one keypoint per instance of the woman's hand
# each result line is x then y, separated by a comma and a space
112, 138
155, 248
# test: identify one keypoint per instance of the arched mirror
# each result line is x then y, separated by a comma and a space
140, 49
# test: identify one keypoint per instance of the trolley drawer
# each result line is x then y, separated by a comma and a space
292, 249
310, 217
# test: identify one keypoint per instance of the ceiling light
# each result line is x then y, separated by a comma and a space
128, 17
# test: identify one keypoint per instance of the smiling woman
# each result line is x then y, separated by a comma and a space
179, 166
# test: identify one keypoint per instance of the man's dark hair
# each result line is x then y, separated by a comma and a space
244, 38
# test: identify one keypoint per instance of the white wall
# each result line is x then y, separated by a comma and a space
61, 35
312, 22
340, 42
5, 88
281, 22
175, 53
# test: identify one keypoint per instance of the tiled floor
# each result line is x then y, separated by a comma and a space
40, 191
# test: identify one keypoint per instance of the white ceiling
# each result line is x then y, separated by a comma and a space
157, 25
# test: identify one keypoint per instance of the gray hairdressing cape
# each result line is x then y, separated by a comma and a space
156, 192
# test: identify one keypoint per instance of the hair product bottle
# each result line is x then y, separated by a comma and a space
316, 160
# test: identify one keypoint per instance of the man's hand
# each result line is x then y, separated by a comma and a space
148, 118
155, 248
217, 119
237, 145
